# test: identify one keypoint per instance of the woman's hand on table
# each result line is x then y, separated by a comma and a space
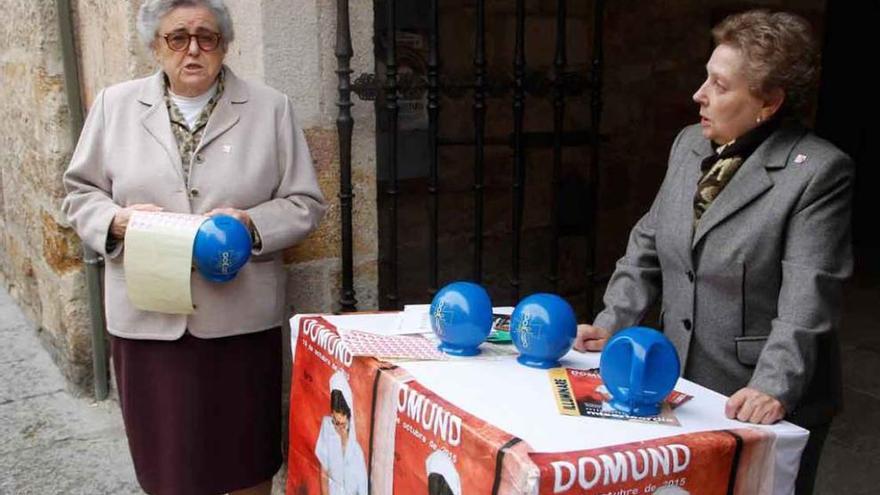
590, 338
752, 406
120, 221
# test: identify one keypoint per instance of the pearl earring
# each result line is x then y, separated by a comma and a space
759, 119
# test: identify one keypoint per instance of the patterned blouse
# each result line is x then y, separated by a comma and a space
719, 168
188, 140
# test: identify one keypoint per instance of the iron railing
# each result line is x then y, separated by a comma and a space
525, 83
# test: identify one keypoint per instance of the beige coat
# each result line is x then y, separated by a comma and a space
253, 157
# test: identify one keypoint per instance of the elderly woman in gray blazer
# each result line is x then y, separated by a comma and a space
200, 393
748, 240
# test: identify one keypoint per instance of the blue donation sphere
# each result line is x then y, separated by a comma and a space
639, 367
222, 246
461, 316
543, 328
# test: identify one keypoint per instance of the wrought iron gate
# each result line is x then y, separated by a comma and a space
418, 92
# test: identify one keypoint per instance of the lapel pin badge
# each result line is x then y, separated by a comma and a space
800, 159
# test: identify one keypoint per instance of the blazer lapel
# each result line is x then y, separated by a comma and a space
685, 210
226, 113
699, 152
156, 120
750, 182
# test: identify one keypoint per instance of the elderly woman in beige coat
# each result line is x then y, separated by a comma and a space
200, 393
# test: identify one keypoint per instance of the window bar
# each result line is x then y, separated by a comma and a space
519, 73
344, 126
596, 114
479, 131
558, 124
392, 109
433, 115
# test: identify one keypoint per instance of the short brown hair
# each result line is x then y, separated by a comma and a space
780, 51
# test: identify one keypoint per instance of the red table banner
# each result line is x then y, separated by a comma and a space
330, 414
359, 425
435, 447
709, 463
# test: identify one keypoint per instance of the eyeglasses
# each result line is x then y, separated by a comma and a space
180, 40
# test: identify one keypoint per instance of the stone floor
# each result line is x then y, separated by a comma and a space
52, 442
851, 459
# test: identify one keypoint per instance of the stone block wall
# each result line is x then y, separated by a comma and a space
40, 261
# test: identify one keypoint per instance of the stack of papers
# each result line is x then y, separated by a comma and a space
402, 335
390, 346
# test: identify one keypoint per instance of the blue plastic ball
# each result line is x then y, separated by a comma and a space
543, 328
461, 317
640, 367
222, 246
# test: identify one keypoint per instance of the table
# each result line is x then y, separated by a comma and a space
471, 426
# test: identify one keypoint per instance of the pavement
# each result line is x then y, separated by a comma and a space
850, 462
51, 441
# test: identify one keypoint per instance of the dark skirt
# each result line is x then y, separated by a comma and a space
203, 416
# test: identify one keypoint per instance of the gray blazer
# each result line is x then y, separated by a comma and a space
253, 157
751, 298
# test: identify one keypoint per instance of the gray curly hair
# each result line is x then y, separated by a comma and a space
152, 12
780, 51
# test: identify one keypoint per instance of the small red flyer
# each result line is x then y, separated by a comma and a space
581, 393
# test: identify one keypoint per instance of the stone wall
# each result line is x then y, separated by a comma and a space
39, 258
287, 44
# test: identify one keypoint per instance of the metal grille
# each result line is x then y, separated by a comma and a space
405, 95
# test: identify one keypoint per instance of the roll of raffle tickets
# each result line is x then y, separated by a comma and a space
161, 249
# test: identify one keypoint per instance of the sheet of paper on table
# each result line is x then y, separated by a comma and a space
488, 350
376, 323
404, 336
409, 347
415, 318
418, 347
412, 320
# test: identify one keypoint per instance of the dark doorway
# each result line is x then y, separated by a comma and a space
508, 206
847, 116
848, 104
